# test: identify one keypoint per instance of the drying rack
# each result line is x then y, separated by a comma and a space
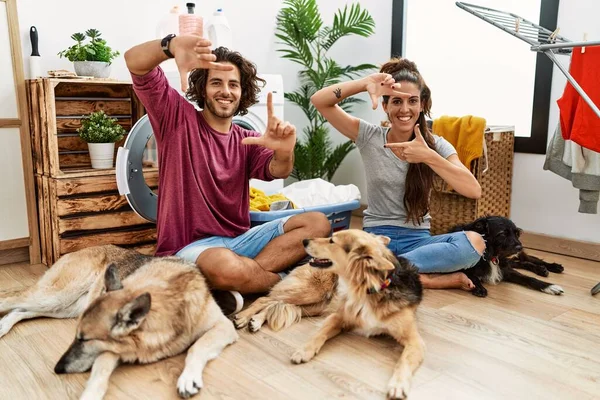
539, 38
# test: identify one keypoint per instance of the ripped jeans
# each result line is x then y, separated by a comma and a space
445, 253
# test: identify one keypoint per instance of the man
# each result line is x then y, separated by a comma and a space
205, 164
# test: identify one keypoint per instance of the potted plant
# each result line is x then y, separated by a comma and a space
306, 42
90, 59
101, 132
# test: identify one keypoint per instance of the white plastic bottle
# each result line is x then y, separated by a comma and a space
219, 32
168, 23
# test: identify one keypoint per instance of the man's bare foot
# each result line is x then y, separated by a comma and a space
455, 280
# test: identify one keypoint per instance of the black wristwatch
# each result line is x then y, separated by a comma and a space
164, 44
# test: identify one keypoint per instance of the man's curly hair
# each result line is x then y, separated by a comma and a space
249, 82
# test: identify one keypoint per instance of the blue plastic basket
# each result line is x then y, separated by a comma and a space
338, 214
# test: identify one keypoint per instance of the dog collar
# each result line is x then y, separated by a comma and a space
495, 260
386, 283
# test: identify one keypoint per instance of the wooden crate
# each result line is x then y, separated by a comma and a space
56, 107
86, 210
79, 206
448, 208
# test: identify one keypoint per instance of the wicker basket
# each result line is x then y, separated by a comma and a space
448, 208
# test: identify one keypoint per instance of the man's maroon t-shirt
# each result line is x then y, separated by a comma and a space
203, 174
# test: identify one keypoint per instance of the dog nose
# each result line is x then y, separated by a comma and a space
305, 242
519, 247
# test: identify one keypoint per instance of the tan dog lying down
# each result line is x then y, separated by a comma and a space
362, 285
162, 306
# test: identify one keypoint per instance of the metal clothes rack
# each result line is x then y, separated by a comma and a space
539, 38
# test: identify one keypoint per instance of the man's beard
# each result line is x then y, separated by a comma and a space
210, 104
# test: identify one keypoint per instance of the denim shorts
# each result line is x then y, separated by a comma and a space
431, 254
248, 244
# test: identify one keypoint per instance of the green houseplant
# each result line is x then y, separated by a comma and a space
306, 41
90, 59
101, 132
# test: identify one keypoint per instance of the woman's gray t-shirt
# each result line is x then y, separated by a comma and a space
386, 177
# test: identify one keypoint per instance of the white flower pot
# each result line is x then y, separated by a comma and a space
97, 69
102, 154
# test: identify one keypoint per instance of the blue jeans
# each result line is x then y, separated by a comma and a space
441, 253
248, 244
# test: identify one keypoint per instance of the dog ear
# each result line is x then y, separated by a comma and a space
481, 226
111, 278
384, 239
132, 314
377, 262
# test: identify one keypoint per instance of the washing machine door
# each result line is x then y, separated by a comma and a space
138, 152
251, 121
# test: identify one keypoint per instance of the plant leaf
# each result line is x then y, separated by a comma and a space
350, 22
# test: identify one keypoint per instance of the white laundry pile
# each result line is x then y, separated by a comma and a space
318, 192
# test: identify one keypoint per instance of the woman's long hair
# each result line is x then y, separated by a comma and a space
419, 179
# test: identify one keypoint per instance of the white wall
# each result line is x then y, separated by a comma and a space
126, 23
542, 202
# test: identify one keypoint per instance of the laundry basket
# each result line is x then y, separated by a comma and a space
338, 214
448, 208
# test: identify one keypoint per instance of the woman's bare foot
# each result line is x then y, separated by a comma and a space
455, 280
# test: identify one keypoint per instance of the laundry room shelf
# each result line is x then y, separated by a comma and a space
79, 212
79, 206
56, 108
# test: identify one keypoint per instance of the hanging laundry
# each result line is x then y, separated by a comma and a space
578, 122
579, 165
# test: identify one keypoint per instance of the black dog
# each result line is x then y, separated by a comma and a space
503, 253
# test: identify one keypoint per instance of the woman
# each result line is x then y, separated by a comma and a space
400, 162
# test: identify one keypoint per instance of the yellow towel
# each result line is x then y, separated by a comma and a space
464, 133
259, 201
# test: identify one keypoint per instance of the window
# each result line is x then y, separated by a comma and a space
475, 68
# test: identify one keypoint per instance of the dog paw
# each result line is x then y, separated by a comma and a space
189, 383
398, 390
556, 268
479, 292
4, 328
255, 324
553, 289
302, 356
239, 322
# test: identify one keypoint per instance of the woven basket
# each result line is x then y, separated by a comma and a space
448, 208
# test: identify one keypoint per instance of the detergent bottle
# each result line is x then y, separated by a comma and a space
219, 32
190, 23
169, 23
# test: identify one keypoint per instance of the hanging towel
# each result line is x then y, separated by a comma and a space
464, 133
578, 122
579, 165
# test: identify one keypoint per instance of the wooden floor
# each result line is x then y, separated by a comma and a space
516, 344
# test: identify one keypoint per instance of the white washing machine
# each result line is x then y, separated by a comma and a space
139, 149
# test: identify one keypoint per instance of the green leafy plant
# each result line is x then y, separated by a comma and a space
306, 41
95, 50
100, 128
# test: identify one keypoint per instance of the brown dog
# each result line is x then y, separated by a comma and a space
162, 306
366, 289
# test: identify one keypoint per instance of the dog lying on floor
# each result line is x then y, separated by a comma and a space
366, 289
162, 306
503, 255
